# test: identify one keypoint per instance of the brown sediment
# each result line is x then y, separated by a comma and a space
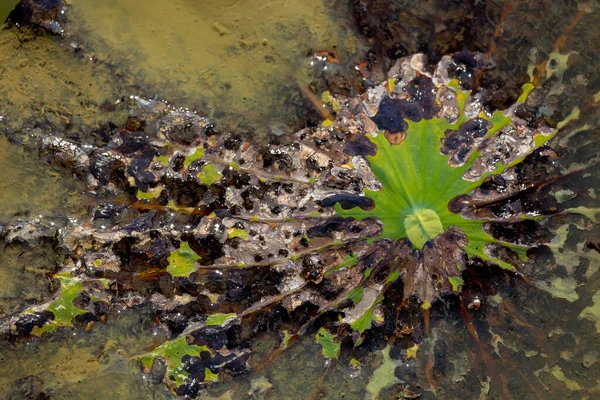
558, 44
318, 390
506, 10
429, 371
320, 106
483, 352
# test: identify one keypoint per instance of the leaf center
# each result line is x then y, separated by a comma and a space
422, 225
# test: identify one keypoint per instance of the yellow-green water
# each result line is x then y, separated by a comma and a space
223, 58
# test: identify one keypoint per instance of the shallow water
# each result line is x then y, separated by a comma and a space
237, 62
34, 187
240, 64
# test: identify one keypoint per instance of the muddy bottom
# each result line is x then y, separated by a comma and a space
237, 62
33, 187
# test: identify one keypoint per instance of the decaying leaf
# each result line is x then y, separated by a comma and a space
406, 195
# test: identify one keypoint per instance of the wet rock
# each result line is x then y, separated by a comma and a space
212, 337
525, 232
36, 230
105, 168
158, 371
461, 143
418, 103
67, 154
389, 117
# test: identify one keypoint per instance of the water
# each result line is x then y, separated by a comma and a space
238, 62
241, 63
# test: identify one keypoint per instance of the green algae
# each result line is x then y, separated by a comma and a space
383, 376
5, 9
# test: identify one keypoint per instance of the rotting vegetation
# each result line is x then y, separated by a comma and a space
346, 231
399, 197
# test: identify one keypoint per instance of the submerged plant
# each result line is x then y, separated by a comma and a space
335, 231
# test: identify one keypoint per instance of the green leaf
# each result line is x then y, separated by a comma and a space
366, 320
209, 376
329, 348
199, 153
220, 319
164, 160
63, 309
355, 294
240, 233
418, 184
422, 225
150, 193
182, 262
348, 261
172, 352
455, 281
209, 175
